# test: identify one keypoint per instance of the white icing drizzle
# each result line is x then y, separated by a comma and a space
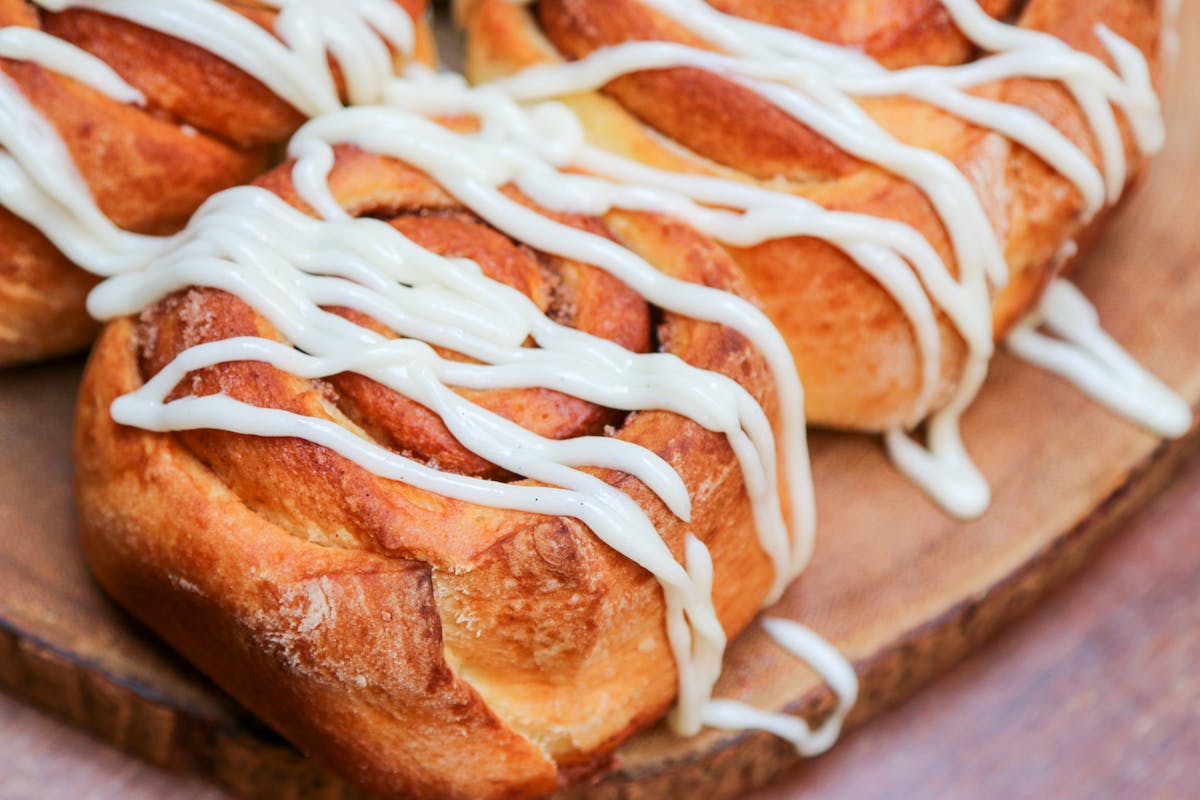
296, 65
830, 665
30, 44
38, 178
208, 253
288, 266
814, 82
1084, 354
40, 184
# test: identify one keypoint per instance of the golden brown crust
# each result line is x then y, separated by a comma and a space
501, 651
42, 295
206, 126
337, 647
897, 34
853, 345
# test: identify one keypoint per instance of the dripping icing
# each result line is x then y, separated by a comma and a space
1075, 346
829, 665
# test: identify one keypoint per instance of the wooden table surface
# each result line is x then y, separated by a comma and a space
1095, 694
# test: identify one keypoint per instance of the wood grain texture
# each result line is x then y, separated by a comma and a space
896, 585
1096, 696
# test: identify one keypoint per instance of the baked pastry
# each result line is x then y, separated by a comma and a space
289, 468
419, 644
153, 118
979, 144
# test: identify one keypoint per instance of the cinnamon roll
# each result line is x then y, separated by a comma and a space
965, 152
438, 592
118, 119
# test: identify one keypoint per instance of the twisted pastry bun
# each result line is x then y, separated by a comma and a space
856, 345
187, 125
420, 645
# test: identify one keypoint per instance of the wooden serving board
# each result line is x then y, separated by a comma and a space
895, 584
